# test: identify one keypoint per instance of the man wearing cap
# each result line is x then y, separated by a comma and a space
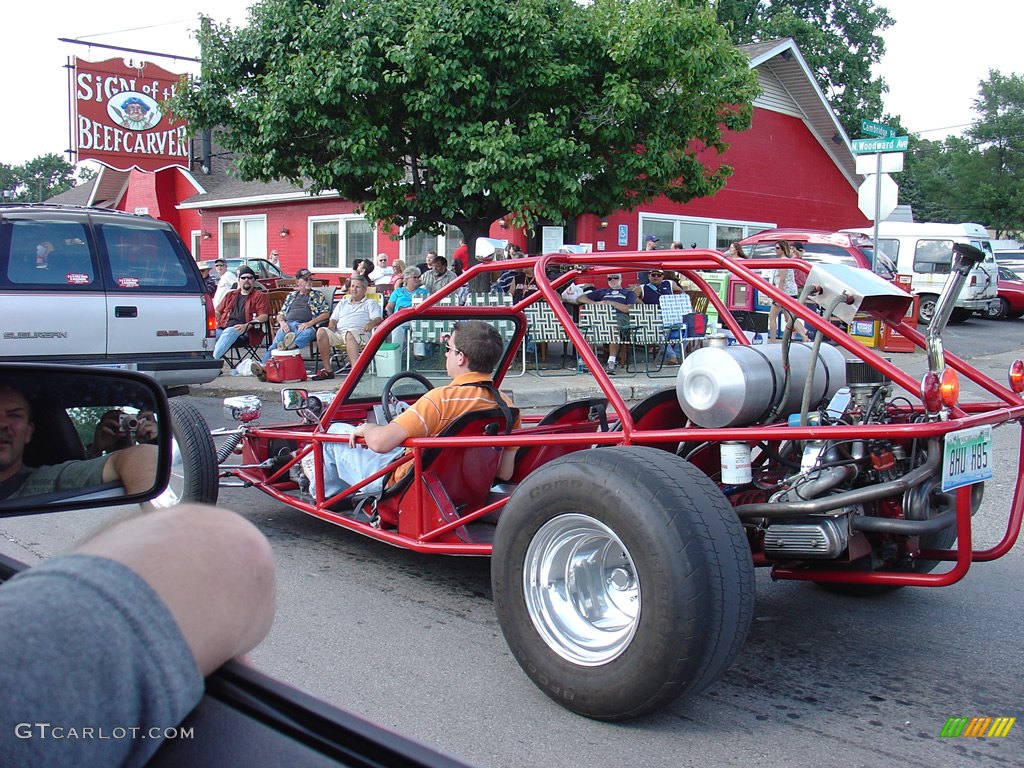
226, 280
658, 285
242, 310
301, 313
621, 299
651, 243
209, 277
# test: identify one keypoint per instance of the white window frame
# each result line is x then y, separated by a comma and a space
243, 244
748, 227
440, 245
344, 259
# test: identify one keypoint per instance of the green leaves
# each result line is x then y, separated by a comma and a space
461, 111
39, 179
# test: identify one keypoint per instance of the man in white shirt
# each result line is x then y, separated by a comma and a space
382, 273
226, 280
351, 324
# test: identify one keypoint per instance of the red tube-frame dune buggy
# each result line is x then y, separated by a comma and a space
623, 549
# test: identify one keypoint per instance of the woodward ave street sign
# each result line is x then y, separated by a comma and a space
870, 146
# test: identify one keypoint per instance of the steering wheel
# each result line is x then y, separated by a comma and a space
392, 405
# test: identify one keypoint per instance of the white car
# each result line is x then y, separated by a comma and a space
87, 286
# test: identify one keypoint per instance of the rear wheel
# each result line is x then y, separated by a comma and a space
194, 475
926, 309
998, 310
622, 579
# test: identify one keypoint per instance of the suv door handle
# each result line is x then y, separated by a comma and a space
126, 311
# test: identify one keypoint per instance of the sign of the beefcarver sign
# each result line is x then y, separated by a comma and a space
119, 119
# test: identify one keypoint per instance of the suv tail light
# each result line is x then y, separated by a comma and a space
211, 317
974, 280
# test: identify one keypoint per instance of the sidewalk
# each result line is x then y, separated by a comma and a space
533, 391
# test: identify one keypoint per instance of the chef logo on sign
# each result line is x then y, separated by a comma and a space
135, 111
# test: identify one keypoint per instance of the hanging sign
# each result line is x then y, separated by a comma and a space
118, 118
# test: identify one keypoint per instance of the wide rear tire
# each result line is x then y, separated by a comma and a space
194, 474
622, 579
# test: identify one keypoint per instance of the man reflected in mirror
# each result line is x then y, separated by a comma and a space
133, 467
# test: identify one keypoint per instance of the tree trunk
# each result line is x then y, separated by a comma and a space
471, 230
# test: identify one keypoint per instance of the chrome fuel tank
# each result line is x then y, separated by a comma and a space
736, 386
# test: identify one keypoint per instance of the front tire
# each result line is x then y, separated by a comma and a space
194, 475
622, 579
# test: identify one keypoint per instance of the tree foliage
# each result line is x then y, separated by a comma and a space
460, 112
979, 177
39, 179
840, 39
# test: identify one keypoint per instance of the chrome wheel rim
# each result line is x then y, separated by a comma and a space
176, 485
582, 590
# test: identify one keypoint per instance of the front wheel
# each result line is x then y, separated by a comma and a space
622, 579
194, 475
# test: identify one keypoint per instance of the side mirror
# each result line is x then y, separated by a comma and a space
294, 399
74, 437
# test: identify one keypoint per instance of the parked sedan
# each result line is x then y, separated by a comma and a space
267, 274
1011, 296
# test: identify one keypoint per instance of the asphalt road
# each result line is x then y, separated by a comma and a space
412, 642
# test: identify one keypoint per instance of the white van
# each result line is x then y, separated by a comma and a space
925, 251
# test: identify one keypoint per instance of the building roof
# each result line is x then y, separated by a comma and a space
789, 86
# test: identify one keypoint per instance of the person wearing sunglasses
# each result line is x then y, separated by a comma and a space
621, 299
472, 352
242, 310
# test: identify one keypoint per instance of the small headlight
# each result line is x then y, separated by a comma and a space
242, 408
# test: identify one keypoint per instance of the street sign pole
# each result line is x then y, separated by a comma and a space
878, 209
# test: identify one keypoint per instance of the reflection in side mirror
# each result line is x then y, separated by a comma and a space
71, 435
294, 399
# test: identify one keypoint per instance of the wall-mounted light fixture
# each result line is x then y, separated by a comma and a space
206, 235
284, 232
503, 222
603, 223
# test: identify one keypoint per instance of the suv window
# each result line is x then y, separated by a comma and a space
143, 257
933, 256
44, 253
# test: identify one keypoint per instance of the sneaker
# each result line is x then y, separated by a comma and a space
672, 360
288, 342
610, 370
323, 374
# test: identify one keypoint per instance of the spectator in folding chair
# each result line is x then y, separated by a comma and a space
243, 310
438, 276
621, 299
301, 313
402, 298
350, 326
658, 285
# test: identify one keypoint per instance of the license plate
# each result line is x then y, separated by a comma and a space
967, 457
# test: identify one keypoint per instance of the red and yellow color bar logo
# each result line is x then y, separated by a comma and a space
977, 727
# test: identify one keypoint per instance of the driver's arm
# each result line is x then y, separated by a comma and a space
135, 467
379, 438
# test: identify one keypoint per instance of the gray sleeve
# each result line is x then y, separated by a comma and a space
71, 475
93, 667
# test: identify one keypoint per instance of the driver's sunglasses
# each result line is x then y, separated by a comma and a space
448, 345
246, 277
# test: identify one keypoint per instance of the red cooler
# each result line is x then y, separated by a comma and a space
286, 365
